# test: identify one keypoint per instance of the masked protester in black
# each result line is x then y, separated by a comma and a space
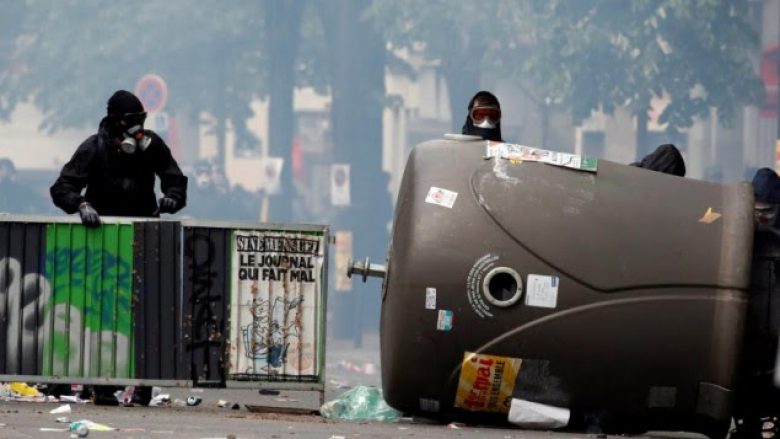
484, 118
118, 167
666, 159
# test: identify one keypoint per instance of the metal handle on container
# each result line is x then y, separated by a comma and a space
366, 269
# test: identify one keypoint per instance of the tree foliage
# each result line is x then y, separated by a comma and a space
208, 54
589, 55
601, 54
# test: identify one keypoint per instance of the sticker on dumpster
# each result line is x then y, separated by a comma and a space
520, 153
442, 197
429, 405
486, 383
430, 298
474, 284
710, 216
444, 322
276, 286
542, 291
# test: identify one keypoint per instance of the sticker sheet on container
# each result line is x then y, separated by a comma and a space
542, 291
510, 151
430, 298
276, 295
444, 321
441, 197
486, 383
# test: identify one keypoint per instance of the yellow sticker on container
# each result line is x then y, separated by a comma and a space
487, 382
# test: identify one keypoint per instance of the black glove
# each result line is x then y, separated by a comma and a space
89, 216
167, 205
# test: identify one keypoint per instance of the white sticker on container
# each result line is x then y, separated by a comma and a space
442, 197
444, 322
430, 298
542, 291
429, 405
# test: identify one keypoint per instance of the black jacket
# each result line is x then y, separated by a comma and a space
119, 184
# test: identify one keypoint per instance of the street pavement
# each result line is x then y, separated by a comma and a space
346, 366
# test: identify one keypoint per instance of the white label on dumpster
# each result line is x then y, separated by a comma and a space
514, 152
430, 298
542, 291
442, 197
276, 295
444, 322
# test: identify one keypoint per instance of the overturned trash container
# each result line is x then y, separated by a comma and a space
613, 293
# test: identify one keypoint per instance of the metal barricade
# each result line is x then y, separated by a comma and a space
143, 302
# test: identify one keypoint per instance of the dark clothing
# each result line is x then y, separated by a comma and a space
666, 158
766, 186
485, 133
119, 184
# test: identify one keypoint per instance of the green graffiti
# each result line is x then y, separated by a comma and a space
91, 276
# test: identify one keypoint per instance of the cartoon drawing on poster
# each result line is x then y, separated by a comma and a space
276, 294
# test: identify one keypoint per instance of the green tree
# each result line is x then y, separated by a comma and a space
73, 53
283, 38
461, 36
593, 55
357, 61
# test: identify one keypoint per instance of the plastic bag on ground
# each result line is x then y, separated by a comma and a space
22, 389
361, 403
92, 426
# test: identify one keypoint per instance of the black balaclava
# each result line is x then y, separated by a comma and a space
126, 116
122, 102
484, 97
666, 158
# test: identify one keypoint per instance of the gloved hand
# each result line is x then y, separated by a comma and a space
167, 205
89, 216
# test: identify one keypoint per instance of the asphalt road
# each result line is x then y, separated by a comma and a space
346, 367
25, 420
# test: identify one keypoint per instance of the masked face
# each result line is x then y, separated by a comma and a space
132, 125
485, 116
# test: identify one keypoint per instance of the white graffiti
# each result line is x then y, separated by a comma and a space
63, 345
23, 301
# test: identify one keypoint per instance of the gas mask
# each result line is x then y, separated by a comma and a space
133, 137
485, 116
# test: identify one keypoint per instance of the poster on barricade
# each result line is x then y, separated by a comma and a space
277, 292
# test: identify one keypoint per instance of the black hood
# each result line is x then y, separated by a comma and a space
107, 130
666, 158
766, 186
485, 133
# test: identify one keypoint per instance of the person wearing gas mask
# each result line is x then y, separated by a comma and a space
484, 118
117, 166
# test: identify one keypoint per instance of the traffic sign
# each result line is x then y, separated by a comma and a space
152, 91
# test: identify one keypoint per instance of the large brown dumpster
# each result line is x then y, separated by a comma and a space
616, 293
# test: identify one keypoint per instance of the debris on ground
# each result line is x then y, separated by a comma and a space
160, 400
340, 384
269, 392
365, 368
282, 410
73, 399
193, 401
61, 410
91, 426
362, 403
